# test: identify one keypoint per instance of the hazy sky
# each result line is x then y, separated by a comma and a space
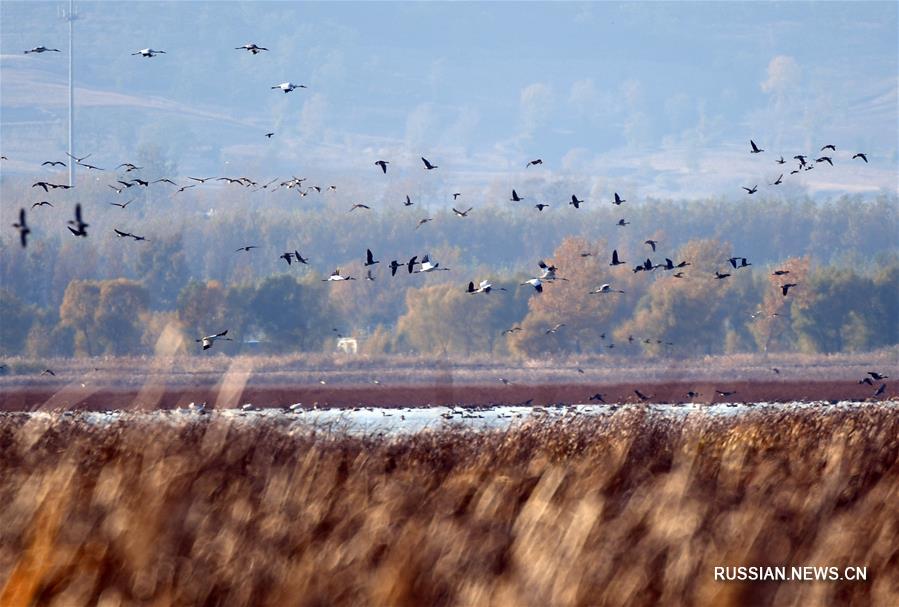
656, 98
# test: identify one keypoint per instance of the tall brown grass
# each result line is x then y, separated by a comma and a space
633, 509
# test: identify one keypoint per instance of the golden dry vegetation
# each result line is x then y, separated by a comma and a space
636, 508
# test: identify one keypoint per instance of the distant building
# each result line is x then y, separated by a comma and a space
348, 345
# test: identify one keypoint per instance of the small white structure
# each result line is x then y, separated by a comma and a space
348, 345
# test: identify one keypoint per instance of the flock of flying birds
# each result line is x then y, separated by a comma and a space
547, 274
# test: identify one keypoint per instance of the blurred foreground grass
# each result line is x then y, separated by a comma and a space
633, 509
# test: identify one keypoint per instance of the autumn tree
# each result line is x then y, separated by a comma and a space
582, 266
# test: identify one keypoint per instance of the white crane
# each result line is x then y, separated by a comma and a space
483, 287
289, 86
335, 276
148, 52
534, 282
605, 288
210, 339
427, 266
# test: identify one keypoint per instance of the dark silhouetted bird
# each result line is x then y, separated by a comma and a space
22, 227
516, 197
408, 202
534, 162
246, 248
618, 199
720, 276
462, 213
53, 163
651, 243
878, 376
621, 223
540, 206
751, 190
829, 146
383, 164
286, 257
42, 49
121, 204
43, 203
269, 135
781, 161
80, 228
575, 202
359, 205
250, 47
148, 52
615, 260
826, 159
369, 258
779, 180
428, 165
862, 156
755, 149
786, 288
780, 272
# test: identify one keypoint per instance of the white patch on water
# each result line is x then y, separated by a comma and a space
374, 420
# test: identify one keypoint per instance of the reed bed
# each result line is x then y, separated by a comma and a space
634, 508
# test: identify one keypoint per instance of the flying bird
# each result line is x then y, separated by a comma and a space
829, 146
42, 49
369, 276
720, 276
269, 135
534, 162
534, 282
300, 258
148, 52
575, 202
462, 213
744, 263
369, 258
336, 276
250, 47
779, 180
826, 159
862, 156
42, 203
878, 376
246, 248
408, 202
785, 288
555, 328
286, 257
622, 223
53, 163
780, 272
483, 287
651, 243
426, 265
22, 227
514, 329
781, 161
359, 206
604, 288
428, 165
801, 158
615, 260
456, 195
618, 199
516, 197
128, 167
540, 206
210, 339
421, 222
383, 164
755, 149
80, 228
394, 266
751, 190
286, 87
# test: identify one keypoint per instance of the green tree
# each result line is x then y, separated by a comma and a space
293, 315
16, 319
